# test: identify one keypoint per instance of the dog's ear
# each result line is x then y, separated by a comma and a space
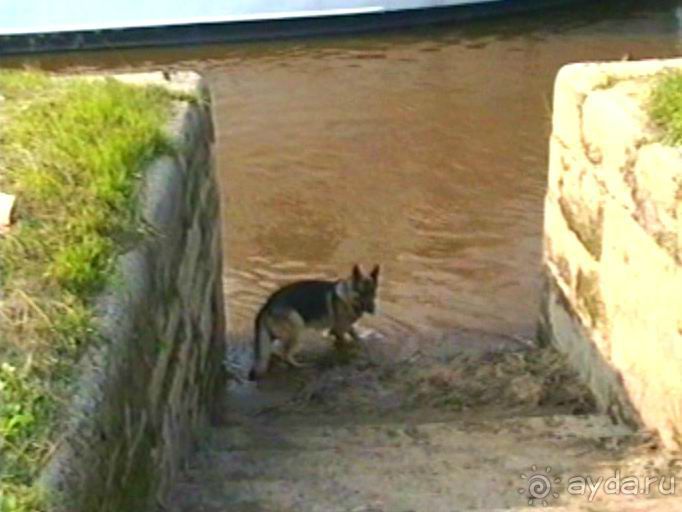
375, 273
357, 273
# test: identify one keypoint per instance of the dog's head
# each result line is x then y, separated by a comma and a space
363, 289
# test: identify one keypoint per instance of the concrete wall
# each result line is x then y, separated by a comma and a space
150, 383
613, 243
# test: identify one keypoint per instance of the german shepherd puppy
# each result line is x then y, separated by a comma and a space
312, 304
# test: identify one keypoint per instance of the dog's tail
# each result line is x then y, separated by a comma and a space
262, 347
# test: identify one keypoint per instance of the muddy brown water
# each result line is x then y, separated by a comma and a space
424, 150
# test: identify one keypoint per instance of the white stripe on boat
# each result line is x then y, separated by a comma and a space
243, 12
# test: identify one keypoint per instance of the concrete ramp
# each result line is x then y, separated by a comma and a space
440, 429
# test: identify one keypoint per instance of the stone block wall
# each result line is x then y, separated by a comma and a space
154, 378
613, 243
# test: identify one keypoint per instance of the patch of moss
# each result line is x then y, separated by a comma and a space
71, 150
666, 106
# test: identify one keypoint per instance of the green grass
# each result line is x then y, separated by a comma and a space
71, 151
666, 106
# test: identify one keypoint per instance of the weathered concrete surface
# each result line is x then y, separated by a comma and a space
151, 382
443, 428
613, 243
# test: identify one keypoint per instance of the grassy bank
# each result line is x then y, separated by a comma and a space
71, 151
666, 106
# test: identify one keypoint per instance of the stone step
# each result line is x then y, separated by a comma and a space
320, 434
453, 466
667, 504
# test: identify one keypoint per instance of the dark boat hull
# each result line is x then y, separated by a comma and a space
259, 29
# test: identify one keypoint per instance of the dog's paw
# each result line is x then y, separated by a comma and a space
370, 334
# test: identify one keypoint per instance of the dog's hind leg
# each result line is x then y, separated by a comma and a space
291, 347
288, 329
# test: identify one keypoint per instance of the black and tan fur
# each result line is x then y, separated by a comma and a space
311, 304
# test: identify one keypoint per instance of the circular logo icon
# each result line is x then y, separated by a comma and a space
539, 486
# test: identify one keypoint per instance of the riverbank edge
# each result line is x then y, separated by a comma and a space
144, 388
146, 394
72, 207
